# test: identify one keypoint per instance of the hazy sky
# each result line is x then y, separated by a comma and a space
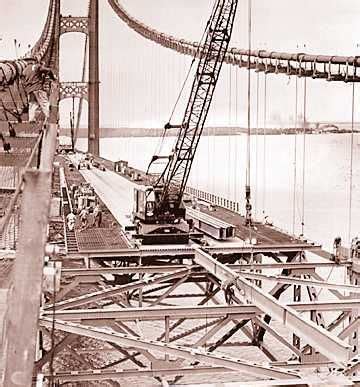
140, 80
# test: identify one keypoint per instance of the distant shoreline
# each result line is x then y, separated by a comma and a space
222, 131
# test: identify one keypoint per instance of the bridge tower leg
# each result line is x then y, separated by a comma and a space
93, 139
86, 90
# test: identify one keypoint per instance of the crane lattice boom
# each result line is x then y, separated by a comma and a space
176, 173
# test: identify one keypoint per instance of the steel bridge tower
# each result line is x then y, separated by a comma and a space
86, 90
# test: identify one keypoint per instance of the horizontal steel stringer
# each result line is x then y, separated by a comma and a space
191, 312
329, 345
116, 290
300, 281
193, 355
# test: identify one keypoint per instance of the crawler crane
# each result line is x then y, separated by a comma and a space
159, 209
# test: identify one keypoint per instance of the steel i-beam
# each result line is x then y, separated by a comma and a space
330, 346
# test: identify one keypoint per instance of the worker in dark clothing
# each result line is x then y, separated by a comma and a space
97, 216
6, 145
34, 77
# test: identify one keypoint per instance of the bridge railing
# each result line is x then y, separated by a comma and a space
214, 199
329, 67
24, 298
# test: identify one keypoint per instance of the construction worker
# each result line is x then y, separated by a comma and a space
34, 77
84, 217
6, 145
248, 216
97, 214
71, 219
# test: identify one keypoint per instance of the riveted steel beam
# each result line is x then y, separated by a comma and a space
329, 345
170, 349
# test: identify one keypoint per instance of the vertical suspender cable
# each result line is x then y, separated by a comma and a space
230, 81
295, 153
229, 166
236, 138
229, 139
83, 76
304, 159
351, 159
247, 188
257, 140
264, 142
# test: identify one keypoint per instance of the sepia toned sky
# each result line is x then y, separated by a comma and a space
140, 81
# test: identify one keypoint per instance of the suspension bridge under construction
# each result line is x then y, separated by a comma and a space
170, 284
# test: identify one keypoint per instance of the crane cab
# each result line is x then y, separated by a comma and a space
144, 204
152, 228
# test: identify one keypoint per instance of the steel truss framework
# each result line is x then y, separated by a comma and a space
191, 322
74, 24
188, 315
73, 90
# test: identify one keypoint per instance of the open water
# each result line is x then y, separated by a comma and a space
220, 167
